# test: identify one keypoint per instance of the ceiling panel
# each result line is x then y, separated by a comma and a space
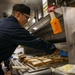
6, 5
16, 1
34, 4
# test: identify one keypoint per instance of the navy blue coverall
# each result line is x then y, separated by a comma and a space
12, 35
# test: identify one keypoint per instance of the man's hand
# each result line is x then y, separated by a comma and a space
61, 53
56, 52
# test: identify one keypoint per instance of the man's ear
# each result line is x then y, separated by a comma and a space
17, 14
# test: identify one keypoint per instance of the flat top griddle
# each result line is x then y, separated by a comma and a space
42, 70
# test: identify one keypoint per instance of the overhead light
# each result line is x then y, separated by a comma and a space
35, 28
39, 16
33, 20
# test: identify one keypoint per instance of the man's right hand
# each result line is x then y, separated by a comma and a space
60, 52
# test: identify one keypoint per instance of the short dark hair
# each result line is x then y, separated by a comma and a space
21, 8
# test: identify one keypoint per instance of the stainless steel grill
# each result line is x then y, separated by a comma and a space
42, 70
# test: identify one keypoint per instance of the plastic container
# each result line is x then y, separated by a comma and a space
56, 26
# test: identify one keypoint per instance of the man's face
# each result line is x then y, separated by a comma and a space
23, 18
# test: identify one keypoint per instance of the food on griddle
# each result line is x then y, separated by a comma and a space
26, 59
57, 58
32, 60
22, 56
40, 61
45, 60
36, 63
64, 58
53, 56
41, 58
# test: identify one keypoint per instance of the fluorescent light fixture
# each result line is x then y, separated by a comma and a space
39, 16
33, 20
35, 28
